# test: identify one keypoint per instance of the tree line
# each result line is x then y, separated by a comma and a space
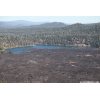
79, 35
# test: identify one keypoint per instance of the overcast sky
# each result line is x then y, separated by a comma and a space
65, 19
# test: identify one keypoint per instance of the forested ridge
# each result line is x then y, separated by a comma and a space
76, 34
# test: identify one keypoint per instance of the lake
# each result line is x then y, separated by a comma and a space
21, 50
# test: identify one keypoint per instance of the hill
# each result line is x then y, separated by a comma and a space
17, 23
53, 25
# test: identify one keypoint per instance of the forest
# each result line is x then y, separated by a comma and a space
83, 35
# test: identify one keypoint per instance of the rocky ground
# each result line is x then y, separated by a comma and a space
51, 66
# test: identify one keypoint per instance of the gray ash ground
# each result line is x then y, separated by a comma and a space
51, 66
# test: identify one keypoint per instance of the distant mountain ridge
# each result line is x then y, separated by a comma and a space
30, 24
53, 24
22, 23
17, 23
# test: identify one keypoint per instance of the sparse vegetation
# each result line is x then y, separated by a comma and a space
51, 66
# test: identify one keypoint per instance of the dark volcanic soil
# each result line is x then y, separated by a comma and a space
51, 66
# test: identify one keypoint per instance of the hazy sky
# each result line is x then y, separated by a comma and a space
65, 19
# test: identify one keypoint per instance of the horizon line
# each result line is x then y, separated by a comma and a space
50, 21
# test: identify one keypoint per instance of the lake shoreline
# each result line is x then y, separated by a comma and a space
29, 48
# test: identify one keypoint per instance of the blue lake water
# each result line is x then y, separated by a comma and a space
20, 50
